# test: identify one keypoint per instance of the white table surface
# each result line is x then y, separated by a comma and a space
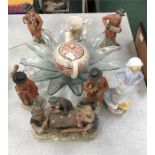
117, 135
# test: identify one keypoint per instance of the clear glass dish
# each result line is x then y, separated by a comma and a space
37, 62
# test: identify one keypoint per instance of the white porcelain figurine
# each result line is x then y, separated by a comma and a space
118, 98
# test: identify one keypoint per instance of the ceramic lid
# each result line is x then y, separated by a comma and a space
71, 50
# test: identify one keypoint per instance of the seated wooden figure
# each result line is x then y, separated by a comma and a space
26, 89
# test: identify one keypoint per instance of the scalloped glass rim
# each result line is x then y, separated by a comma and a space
42, 68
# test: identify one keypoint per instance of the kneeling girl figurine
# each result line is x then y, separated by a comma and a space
117, 99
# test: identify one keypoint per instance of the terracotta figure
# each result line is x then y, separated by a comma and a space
112, 27
27, 90
34, 22
95, 86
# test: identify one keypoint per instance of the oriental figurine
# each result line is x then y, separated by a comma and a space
34, 23
95, 87
118, 99
26, 89
51, 123
112, 27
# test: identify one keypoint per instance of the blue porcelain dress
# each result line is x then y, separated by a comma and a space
127, 80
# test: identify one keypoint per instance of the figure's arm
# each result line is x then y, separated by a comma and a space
87, 86
106, 18
25, 20
44, 125
21, 92
119, 74
40, 22
37, 129
22, 95
33, 87
45, 122
17, 90
139, 78
15, 69
104, 85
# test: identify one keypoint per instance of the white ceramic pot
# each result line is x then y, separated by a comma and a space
70, 58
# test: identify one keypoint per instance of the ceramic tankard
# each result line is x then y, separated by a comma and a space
77, 26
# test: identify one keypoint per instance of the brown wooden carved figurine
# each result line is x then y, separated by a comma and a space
112, 27
27, 90
34, 22
95, 86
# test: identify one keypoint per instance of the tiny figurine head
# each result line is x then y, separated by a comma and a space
95, 74
27, 7
53, 99
134, 64
54, 102
120, 12
19, 77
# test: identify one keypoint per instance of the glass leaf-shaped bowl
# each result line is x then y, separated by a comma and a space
38, 62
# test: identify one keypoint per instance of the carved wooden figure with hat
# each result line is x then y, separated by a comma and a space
112, 27
95, 86
34, 22
27, 90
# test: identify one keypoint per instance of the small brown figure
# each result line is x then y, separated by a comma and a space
112, 27
59, 104
95, 87
26, 89
34, 22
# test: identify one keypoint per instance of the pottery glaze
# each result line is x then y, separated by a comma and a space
70, 58
77, 26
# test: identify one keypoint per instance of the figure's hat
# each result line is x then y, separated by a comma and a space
95, 74
134, 61
121, 12
53, 99
27, 7
19, 77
